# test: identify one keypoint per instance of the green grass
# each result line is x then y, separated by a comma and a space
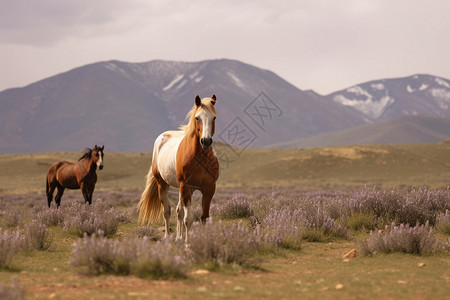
346, 167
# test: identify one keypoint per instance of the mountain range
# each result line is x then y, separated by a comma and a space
126, 105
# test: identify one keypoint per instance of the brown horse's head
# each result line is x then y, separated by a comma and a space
97, 156
202, 119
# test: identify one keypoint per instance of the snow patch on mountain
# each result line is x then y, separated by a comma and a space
173, 82
237, 81
423, 87
366, 104
442, 82
441, 97
377, 86
181, 84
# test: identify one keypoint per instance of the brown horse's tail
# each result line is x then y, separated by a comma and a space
150, 207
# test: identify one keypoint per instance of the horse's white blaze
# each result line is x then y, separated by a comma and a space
207, 118
100, 160
165, 156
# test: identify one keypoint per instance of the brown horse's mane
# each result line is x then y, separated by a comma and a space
87, 154
189, 128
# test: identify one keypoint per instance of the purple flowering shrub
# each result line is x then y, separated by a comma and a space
96, 254
311, 215
282, 228
218, 244
443, 222
161, 260
237, 207
10, 243
418, 205
37, 236
419, 239
51, 216
15, 291
13, 217
82, 218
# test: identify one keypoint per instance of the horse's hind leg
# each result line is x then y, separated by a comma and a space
50, 188
59, 195
163, 190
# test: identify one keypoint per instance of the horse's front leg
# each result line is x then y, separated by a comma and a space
207, 195
185, 197
85, 191
180, 217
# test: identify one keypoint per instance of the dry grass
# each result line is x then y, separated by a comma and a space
346, 167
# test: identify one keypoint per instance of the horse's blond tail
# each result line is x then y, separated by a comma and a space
150, 206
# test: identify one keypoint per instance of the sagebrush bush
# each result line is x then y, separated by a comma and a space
418, 205
318, 219
216, 244
237, 207
419, 239
283, 228
13, 217
10, 243
51, 217
96, 254
37, 236
161, 260
14, 291
443, 222
82, 218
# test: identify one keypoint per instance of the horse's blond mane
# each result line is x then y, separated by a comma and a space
189, 128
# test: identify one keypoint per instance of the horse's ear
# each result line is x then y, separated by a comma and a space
213, 99
95, 147
198, 101
103, 147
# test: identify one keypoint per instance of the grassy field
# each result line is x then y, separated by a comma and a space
349, 167
317, 270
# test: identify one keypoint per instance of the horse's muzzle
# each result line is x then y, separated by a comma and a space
206, 142
100, 167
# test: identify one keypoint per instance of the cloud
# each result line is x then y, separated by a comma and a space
45, 22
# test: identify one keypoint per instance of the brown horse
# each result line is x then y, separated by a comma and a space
80, 175
183, 159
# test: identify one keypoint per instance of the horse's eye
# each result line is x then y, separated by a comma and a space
196, 118
97, 154
214, 118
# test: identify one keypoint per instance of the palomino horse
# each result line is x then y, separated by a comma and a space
80, 175
183, 159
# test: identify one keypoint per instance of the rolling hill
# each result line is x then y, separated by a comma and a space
400, 130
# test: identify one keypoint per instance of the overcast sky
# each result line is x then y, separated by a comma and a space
322, 45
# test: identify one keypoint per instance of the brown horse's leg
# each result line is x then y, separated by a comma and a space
49, 190
85, 191
59, 195
90, 191
207, 195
